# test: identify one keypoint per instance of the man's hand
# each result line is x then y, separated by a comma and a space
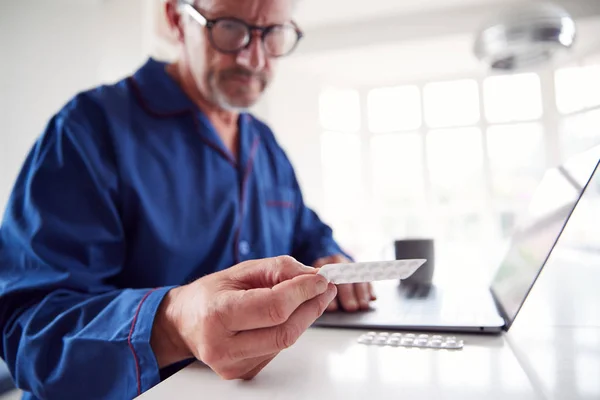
351, 297
237, 320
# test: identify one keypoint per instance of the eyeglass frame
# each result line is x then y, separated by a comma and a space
264, 30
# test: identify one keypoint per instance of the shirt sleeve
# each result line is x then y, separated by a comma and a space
313, 239
67, 330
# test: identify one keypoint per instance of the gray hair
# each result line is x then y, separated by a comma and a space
182, 2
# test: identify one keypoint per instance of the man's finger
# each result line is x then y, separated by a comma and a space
261, 342
347, 297
363, 295
372, 293
263, 308
333, 306
268, 272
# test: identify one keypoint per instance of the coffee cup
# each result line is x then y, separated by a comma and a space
417, 249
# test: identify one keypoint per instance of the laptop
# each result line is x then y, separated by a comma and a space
485, 308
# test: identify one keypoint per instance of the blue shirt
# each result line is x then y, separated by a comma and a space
128, 192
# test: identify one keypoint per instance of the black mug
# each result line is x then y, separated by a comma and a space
417, 248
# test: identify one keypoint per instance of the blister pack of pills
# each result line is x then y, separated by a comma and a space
411, 340
370, 271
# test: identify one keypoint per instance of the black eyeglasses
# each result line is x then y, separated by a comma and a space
231, 35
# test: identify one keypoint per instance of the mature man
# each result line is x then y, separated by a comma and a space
149, 224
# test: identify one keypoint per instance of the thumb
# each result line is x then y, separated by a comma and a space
269, 272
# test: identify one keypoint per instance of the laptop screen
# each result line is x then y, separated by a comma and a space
538, 230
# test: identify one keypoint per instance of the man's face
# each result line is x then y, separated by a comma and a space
232, 81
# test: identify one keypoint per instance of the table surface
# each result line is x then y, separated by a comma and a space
551, 352
330, 364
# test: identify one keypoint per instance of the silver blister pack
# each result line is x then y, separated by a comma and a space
370, 271
411, 340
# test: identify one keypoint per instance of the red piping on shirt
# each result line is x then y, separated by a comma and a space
280, 204
135, 357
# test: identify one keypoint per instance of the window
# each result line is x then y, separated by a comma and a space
341, 159
579, 132
394, 109
578, 96
399, 183
434, 159
339, 111
517, 161
577, 88
455, 161
511, 98
452, 103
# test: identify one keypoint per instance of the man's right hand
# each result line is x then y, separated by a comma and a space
237, 320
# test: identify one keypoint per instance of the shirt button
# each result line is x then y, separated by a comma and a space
244, 248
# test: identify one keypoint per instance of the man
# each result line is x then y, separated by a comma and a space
149, 224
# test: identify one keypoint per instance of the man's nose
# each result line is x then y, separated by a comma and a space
253, 57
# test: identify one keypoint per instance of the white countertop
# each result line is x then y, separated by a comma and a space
330, 364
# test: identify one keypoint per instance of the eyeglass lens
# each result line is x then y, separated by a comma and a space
231, 35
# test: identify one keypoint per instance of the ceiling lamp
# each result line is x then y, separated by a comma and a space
525, 35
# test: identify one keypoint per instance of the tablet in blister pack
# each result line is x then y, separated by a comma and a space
370, 271
411, 340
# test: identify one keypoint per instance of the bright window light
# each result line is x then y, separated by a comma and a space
455, 161
451, 103
577, 88
511, 98
394, 109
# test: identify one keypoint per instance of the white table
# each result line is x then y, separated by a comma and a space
556, 336
330, 364
551, 352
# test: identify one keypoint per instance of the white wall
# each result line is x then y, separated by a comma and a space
293, 114
50, 50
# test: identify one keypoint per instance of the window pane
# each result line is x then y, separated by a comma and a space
342, 167
455, 161
341, 160
579, 132
398, 184
394, 109
339, 110
398, 170
577, 88
517, 158
512, 98
451, 103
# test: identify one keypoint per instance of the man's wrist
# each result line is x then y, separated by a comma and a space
166, 341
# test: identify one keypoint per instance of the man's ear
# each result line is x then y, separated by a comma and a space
173, 20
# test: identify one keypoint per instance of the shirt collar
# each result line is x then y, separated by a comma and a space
161, 95
158, 90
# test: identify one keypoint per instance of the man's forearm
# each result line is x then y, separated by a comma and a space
64, 343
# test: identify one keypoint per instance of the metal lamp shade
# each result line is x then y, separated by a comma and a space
525, 36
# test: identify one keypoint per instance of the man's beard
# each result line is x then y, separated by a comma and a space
229, 102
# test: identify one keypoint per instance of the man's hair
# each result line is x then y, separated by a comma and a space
192, 2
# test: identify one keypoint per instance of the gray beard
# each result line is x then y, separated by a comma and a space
220, 99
